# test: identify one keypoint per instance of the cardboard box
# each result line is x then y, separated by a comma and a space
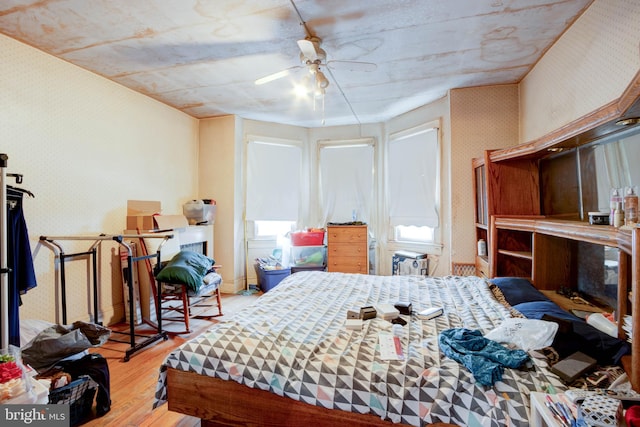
140, 222
140, 214
143, 207
409, 263
171, 222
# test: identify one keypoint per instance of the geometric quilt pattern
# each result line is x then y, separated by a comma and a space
293, 342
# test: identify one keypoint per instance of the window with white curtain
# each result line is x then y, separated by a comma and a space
273, 186
346, 180
413, 164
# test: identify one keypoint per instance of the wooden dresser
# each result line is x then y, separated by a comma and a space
347, 249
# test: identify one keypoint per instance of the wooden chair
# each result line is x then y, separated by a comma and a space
178, 303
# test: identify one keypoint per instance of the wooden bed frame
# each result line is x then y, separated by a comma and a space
227, 403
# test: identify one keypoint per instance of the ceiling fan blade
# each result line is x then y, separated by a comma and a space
308, 49
352, 65
275, 76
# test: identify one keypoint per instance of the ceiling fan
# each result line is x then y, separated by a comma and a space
313, 57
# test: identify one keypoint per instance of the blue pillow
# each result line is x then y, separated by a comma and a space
607, 350
186, 268
517, 290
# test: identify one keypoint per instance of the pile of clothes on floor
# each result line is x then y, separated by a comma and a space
60, 356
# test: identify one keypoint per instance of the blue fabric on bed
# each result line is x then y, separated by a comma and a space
607, 350
517, 290
486, 359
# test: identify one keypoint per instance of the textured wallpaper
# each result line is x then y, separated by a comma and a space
85, 146
588, 67
481, 118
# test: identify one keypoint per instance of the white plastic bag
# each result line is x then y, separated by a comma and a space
527, 334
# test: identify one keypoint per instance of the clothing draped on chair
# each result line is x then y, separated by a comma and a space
186, 281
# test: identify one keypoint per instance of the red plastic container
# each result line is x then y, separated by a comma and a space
307, 238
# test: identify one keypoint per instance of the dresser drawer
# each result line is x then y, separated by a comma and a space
347, 234
346, 249
348, 264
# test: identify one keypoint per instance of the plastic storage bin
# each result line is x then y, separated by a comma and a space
268, 279
308, 256
307, 238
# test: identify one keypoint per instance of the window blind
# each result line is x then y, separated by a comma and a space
273, 181
346, 182
412, 166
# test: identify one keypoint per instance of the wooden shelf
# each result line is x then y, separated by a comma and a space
568, 304
517, 254
575, 230
552, 263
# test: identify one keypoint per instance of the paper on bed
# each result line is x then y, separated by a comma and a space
390, 347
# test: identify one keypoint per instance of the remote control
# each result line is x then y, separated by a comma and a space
578, 395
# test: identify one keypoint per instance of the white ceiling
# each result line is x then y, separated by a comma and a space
203, 56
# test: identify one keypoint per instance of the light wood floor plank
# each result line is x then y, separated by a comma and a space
133, 383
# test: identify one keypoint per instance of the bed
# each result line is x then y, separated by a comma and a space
289, 358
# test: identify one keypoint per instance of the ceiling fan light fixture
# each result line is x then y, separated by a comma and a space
321, 80
301, 90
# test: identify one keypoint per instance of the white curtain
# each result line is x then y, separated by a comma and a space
346, 182
273, 181
412, 176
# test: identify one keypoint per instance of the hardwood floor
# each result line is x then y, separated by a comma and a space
133, 383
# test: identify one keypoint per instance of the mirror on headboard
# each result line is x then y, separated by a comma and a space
615, 165
577, 181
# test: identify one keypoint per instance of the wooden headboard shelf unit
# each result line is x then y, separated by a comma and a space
523, 242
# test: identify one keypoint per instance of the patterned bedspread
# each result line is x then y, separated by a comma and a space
293, 342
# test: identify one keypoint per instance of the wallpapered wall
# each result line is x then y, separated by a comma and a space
85, 146
588, 67
481, 118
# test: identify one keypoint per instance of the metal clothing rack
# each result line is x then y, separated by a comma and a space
134, 344
4, 270
4, 247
